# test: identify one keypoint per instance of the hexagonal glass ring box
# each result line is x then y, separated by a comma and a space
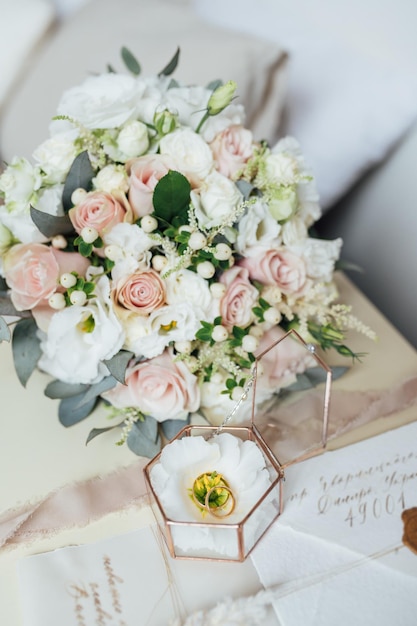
215, 490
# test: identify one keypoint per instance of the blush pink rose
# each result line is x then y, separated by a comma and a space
32, 272
159, 387
232, 148
239, 299
99, 210
281, 364
145, 172
277, 267
142, 292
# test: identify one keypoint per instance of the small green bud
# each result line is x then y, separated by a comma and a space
165, 122
221, 97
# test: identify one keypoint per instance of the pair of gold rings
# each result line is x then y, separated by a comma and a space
212, 494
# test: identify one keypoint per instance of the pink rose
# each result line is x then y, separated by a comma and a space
142, 292
280, 365
145, 173
277, 267
239, 299
32, 272
159, 387
99, 210
231, 149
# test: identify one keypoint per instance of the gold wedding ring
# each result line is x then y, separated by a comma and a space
212, 494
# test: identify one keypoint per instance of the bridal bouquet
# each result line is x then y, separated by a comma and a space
153, 248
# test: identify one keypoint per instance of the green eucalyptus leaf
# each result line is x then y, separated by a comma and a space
51, 225
5, 334
58, 390
244, 187
214, 84
72, 410
80, 175
171, 428
118, 363
99, 431
94, 391
171, 197
170, 68
130, 61
26, 348
7, 308
143, 438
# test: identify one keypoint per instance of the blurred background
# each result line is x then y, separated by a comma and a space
348, 93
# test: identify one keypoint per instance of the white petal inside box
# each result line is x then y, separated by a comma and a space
216, 490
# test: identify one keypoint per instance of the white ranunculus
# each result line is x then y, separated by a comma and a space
103, 101
55, 156
18, 184
281, 168
189, 152
133, 139
133, 249
320, 256
187, 286
79, 338
216, 199
257, 228
111, 178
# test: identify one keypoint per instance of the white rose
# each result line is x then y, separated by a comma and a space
189, 152
257, 228
18, 184
103, 101
187, 286
73, 351
133, 139
282, 169
133, 246
111, 178
320, 257
216, 199
55, 157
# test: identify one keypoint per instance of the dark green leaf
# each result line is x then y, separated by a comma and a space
343, 265
203, 334
171, 197
26, 349
238, 332
51, 225
80, 175
110, 69
130, 61
99, 431
5, 334
85, 249
169, 69
143, 438
72, 410
117, 365
171, 428
58, 390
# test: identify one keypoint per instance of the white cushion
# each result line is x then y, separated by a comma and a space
23, 24
352, 89
152, 30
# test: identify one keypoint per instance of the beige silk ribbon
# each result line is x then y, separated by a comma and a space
80, 503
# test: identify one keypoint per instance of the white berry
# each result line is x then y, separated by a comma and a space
78, 195
249, 343
89, 234
222, 252
149, 223
197, 241
57, 301
206, 269
79, 298
67, 280
59, 242
272, 316
159, 262
183, 347
219, 333
113, 252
